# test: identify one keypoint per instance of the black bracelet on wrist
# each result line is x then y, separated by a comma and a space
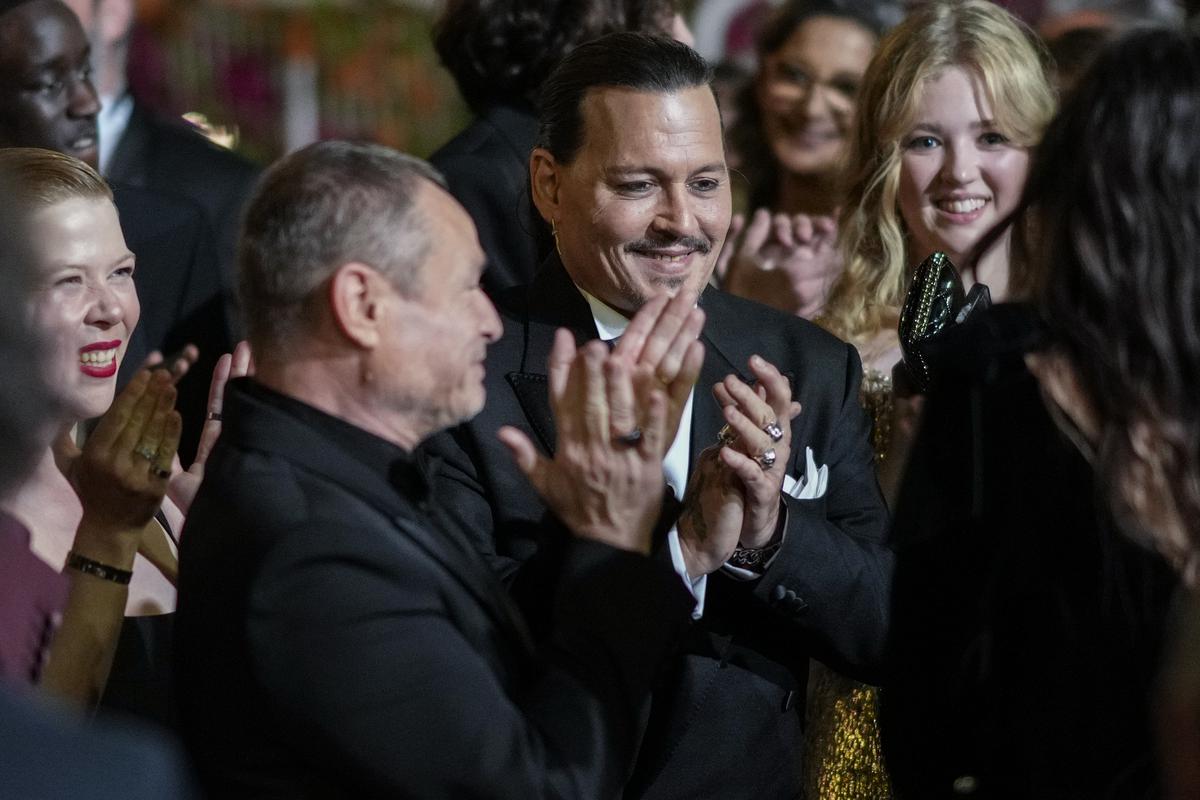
96, 569
754, 559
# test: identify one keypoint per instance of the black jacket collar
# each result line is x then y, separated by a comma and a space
384, 476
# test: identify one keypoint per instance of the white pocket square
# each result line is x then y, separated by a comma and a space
814, 482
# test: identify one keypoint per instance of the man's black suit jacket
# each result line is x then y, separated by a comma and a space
172, 158
337, 637
728, 722
179, 291
487, 169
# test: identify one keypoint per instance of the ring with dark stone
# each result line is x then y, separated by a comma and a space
629, 439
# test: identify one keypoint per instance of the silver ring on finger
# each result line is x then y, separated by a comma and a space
773, 430
766, 459
146, 451
214, 416
629, 439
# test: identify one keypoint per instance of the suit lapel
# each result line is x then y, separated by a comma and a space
132, 154
719, 361
726, 350
553, 302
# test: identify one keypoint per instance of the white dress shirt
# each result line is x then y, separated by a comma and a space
611, 324
111, 123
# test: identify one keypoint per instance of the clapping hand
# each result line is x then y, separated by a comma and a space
605, 481
178, 365
185, 483
733, 494
122, 472
787, 262
661, 340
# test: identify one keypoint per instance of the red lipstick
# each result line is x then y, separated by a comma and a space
99, 369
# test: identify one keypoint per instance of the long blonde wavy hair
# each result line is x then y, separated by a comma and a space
976, 35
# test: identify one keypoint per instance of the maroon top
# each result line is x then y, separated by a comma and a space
32, 598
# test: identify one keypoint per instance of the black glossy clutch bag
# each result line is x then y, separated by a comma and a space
935, 302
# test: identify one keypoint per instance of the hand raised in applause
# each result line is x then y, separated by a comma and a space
121, 474
178, 365
603, 483
733, 495
786, 262
185, 483
662, 340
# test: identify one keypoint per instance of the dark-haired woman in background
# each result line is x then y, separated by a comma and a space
1113, 268
1026, 631
792, 128
500, 52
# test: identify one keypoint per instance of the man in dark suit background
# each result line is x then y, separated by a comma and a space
47, 100
336, 633
140, 148
781, 534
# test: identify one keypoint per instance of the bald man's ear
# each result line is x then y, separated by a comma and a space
544, 180
356, 293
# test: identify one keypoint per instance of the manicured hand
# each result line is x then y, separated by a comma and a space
121, 474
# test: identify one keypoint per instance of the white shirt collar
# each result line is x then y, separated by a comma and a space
610, 323
112, 121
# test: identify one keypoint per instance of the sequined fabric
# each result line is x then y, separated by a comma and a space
843, 756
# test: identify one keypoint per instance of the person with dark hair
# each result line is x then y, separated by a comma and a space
1072, 51
139, 147
1026, 631
500, 52
47, 100
780, 525
1111, 269
337, 635
793, 123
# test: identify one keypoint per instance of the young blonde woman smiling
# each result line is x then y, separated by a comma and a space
951, 104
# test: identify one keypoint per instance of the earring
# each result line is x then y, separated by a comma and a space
554, 233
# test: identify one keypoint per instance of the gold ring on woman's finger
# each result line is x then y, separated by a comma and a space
773, 430
146, 451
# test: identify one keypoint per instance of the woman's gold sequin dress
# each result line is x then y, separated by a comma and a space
843, 756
